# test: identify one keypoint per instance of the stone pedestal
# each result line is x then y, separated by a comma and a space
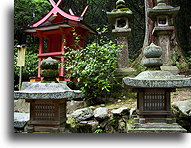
123, 55
163, 35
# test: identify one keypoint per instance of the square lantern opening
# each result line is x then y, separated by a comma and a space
47, 112
162, 21
154, 102
122, 23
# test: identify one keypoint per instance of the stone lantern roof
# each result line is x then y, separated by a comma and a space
120, 11
162, 9
154, 78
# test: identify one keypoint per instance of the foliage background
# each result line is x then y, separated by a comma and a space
27, 12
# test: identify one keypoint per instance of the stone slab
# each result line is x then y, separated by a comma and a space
157, 79
38, 90
21, 116
173, 69
157, 128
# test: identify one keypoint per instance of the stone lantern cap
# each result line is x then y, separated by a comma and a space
153, 78
38, 90
48, 88
120, 11
162, 9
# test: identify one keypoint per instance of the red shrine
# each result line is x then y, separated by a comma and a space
55, 32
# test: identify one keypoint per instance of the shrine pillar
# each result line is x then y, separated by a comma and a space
41, 47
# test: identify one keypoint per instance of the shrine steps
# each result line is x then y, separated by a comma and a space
157, 128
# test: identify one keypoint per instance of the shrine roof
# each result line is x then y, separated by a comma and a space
55, 11
64, 24
57, 18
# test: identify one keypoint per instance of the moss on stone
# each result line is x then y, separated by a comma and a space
49, 63
120, 2
121, 10
49, 73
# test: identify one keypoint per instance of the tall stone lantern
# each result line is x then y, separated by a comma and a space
163, 15
153, 88
120, 18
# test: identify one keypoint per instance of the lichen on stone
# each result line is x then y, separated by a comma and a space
121, 10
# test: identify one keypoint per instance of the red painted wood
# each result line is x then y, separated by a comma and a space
50, 54
41, 46
58, 38
56, 10
39, 63
84, 11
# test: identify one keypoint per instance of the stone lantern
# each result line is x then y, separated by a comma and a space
163, 15
153, 88
47, 99
120, 18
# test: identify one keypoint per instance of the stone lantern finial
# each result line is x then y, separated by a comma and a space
120, 4
153, 54
49, 70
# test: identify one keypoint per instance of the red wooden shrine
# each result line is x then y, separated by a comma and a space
55, 32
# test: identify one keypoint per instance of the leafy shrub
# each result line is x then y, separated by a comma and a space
94, 67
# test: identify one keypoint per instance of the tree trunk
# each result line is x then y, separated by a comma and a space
149, 25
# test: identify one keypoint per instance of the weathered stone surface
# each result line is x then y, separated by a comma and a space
84, 127
173, 69
159, 79
182, 112
101, 113
121, 111
21, 116
21, 106
157, 128
82, 114
152, 62
152, 51
182, 107
74, 105
38, 90
49, 63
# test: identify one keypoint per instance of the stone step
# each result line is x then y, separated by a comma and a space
163, 125
157, 128
155, 120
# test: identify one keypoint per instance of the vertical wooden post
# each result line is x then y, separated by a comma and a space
62, 56
20, 77
41, 46
21, 61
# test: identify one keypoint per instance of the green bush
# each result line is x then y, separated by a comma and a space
94, 67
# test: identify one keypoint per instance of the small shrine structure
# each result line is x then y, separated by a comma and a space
120, 18
153, 88
55, 32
